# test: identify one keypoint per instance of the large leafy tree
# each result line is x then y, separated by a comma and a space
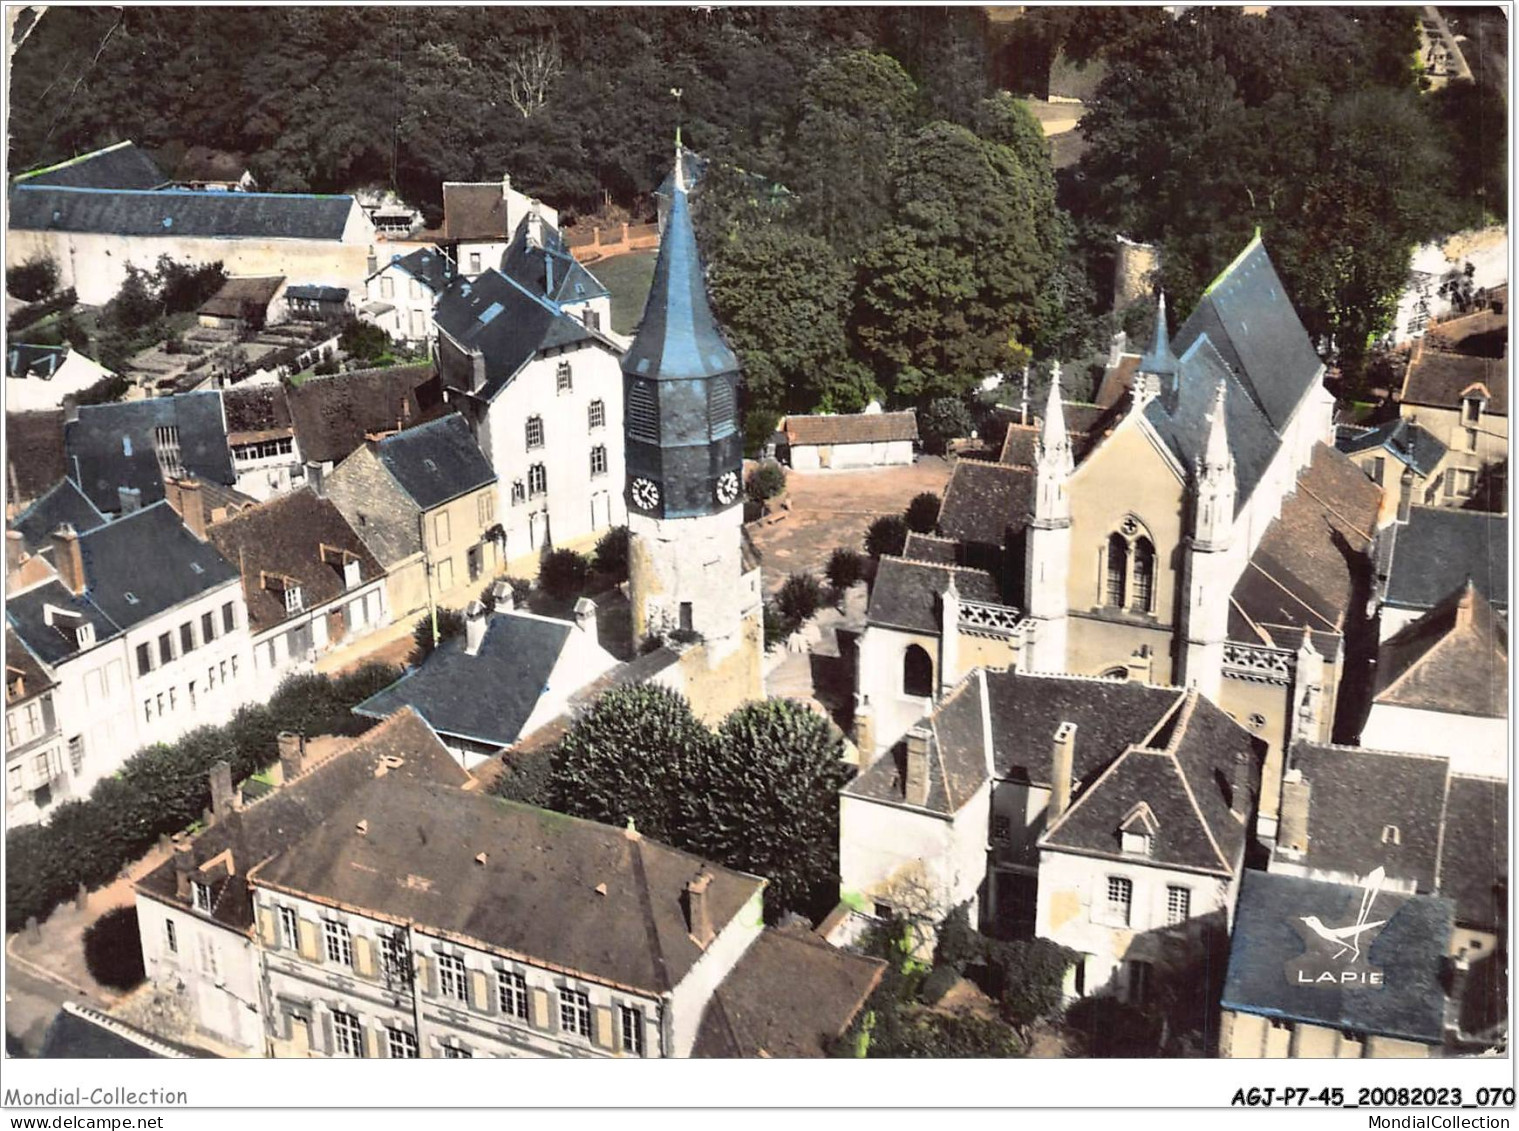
857, 109
764, 799
629, 758
949, 291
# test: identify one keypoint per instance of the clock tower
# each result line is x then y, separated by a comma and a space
692, 572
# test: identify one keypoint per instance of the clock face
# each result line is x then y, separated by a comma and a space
645, 494
726, 489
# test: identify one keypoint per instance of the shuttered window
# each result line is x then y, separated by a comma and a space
643, 414
721, 417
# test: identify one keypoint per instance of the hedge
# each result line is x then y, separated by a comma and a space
162, 789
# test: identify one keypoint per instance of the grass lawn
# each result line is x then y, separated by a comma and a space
627, 277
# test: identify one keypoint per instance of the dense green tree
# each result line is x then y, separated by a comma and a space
950, 289
33, 280
427, 634
764, 799
945, 419
922, 514
631, 757
857, 109
113, 949
886, 536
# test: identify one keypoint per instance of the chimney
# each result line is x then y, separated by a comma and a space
235, 844
535, 229
698, 914
1239, 787
474, 628
477, 370
68, 558
585, 617
502, 597
15, 551
1297, 799
1116, 346
185, 496
915, 785
1406, 495
1465, 604
865, 728
1062, 761
506, 186
292, 748
184, 868
129, 499
223, 800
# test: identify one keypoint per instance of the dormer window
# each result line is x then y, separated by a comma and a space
1136, 834
200, 896
351, 573
1391, 834
84, 635
1471, 410
294, 600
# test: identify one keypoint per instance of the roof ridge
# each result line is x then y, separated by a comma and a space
168, 193
1190, 708
646, 907
1346, 748
938, 749
1087, 791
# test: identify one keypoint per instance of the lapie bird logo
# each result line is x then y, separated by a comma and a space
1337, 954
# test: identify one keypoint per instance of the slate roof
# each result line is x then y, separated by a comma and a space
851, 428
256, 412
1313, 565
53, 643
1352, 793
119, 166
984, 501
63, 503
1024, 711
180, 213
203, 163
538, 893
1403, 440
41, 362
428, 265
678, 336
34, 452
401, 749
1182, 414
1116, 381
1438, 549
317, 293
242, 295
549, 270
474, 211
487, 697
333, 414
135, 568
506, 323
790, 995
907, 594
287, 536
80, 1033
151, 555
1474, 855
1250, 323
111, 445
1189, 785
437, 461
1410, 1004
1441, 377
1453, 659
20, 663
930, 548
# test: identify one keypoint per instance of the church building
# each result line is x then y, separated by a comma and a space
694, 578
1197, 531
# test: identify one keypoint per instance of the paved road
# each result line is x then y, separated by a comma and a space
31, 1004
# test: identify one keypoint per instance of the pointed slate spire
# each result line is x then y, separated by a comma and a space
1216, 456
678, 338
1159, 359
1054, 442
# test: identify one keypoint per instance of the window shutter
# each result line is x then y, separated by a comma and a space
326, 1046
427, 975
542, 1016
601, 1026
363, 956
266, 926
374, 1044
309, 939
479, 991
